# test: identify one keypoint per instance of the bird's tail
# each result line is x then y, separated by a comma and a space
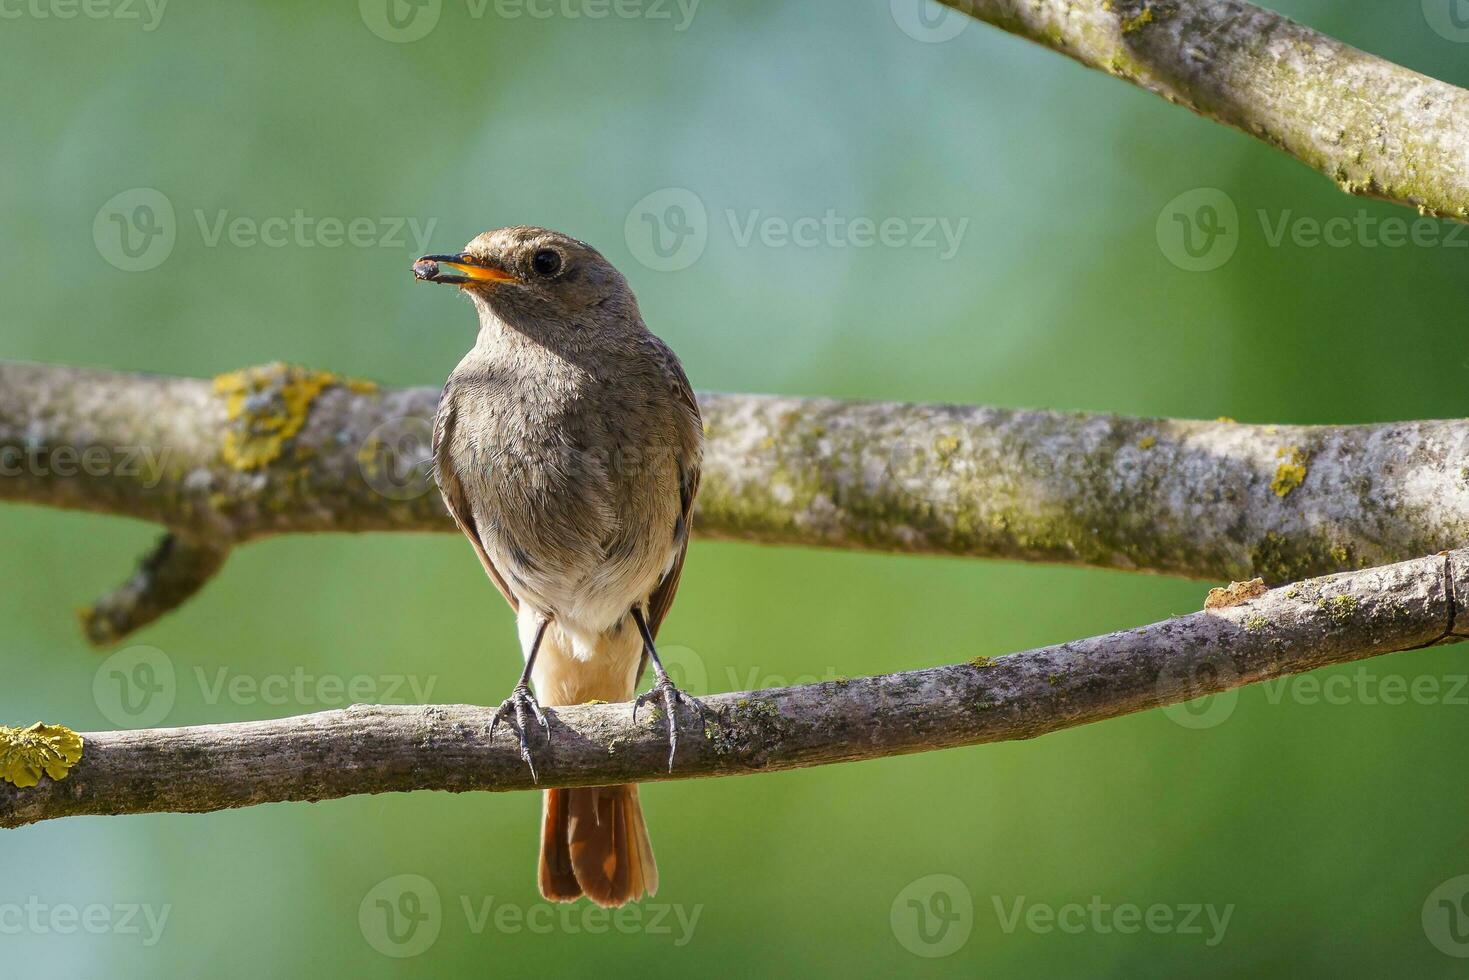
594, 843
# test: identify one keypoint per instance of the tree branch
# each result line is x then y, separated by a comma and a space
1373, 127
277, 450
393, 749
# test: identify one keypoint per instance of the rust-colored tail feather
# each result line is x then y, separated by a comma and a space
594, 843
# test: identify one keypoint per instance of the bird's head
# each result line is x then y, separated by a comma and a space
533, 278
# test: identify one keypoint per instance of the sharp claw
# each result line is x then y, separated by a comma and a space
516, 704
670, 698
670, 705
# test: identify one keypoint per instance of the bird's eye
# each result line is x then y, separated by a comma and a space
546, 262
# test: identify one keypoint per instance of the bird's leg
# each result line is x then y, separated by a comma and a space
521, 700
662, 689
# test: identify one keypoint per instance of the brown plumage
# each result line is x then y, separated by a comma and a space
567, 448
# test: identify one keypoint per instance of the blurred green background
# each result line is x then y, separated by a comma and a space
1322, 825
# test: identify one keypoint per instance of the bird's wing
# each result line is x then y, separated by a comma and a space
453, 492
688, 488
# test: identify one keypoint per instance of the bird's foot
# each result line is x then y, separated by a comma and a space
513, 711
669, 698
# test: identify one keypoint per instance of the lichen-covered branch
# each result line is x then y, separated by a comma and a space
278, 449
392, 749
1373, 127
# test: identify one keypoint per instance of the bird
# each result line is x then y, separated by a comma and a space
567, 447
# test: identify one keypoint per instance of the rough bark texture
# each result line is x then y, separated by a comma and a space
276, 449
388, 749
1373, 127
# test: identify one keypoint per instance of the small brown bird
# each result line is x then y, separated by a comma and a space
567, 448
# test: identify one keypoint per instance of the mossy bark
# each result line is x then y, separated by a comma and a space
1210, 500
1375, 128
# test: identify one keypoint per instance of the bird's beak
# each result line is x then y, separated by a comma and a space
457, 269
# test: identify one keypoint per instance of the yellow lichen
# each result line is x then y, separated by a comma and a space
1135, 23
1339, 608
1291, 473
1225, 419
266, 406
1147, 442
28, 753
982, 662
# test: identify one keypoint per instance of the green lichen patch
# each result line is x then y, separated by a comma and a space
26, 754
1291, 472
982, 662
1147, 442
266, 406
1339, 608
1255, 623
